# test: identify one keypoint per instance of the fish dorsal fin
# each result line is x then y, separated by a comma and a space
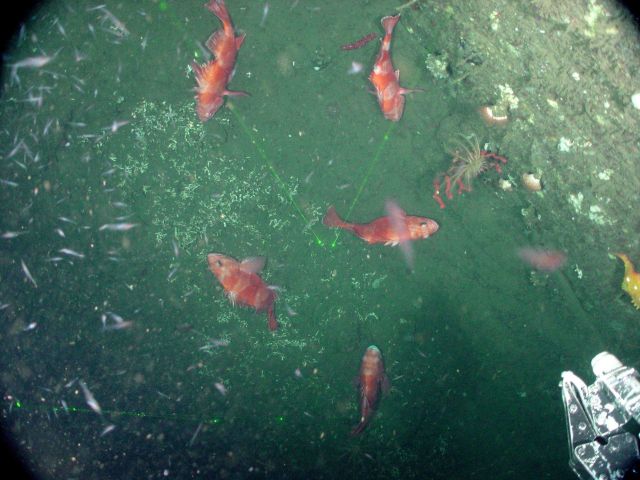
252, 264
394, 210
214, 39
239, 40
385, 383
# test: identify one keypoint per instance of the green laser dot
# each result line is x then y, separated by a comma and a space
163, 6
18, 404
280, 418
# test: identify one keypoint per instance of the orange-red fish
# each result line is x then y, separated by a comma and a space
214, 76
385, 79
371, 381
631, 280
242, 284
390, 230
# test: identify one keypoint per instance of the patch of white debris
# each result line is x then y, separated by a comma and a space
605, 174
597, 216
595, 213
576, 201
565, 144
578, 271
508, 99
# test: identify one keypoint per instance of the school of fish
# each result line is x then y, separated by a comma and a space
241, 280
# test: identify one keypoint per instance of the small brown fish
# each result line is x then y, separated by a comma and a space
242, 284
214, 76
371, 381
385, 79
392, 229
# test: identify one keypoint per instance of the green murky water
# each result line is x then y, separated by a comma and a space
473, 340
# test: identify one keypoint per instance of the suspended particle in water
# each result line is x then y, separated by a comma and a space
28, 273
108, 429
221, 388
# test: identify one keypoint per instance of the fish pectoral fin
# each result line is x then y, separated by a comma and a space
197, 69
365, 406
239, 40
385, 384
397, 72
392, 243
252, 264
235, 93
404, 91
232, 297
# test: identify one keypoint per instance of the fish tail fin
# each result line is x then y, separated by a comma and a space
271, 316
219, 9
333, 220
358, 429
388, 23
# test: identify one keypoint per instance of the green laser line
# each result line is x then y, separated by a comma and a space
124, 413
365, 178
273, 171
121, 413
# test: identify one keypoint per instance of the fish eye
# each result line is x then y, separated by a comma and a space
218, 263
423, 224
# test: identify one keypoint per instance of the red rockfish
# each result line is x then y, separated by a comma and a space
371, 381
242, 284
390, 230
385, 79
214, 76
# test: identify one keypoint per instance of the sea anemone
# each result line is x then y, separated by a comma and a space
468, 161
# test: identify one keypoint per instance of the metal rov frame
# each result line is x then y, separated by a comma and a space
603, 420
